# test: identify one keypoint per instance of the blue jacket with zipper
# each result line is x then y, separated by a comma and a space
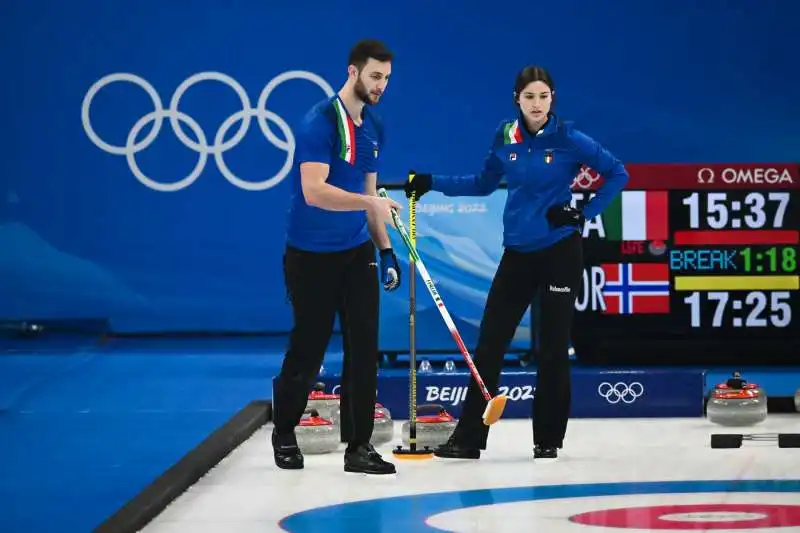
539, 170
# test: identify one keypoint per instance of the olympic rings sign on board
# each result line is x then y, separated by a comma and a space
620, 392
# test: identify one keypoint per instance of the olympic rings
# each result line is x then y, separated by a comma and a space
620, 391
585, 178
201, 146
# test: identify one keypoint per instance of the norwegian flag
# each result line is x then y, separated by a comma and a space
636, 288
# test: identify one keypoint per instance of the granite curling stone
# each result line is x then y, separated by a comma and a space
383, 430
326, 404
432, 429
316, 434
737, 403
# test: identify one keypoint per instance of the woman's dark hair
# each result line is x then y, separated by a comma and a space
529, 75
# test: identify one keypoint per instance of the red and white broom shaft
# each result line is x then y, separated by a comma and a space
452, 327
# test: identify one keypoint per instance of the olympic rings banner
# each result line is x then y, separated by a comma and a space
219, 145
146, 147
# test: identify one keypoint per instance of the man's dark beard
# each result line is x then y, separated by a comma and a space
361, 92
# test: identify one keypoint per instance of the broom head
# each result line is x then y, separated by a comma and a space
494, 409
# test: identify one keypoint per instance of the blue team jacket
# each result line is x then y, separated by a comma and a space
539, 170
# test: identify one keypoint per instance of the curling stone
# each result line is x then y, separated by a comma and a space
315, 434
383, 431
432, 429
326, 404
737, 403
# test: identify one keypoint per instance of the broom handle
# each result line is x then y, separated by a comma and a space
437, 299
412, 326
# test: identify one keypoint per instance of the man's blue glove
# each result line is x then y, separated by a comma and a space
390, 270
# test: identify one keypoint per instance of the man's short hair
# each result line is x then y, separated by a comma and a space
366, 49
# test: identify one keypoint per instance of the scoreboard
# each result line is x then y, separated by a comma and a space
693, 262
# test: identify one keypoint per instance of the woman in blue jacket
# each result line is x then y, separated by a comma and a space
539, 156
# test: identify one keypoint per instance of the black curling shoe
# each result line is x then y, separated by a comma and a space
451, 450
287, 452
364, 459
545, 452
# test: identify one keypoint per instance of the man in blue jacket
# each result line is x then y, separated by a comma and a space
335, 222
539, 157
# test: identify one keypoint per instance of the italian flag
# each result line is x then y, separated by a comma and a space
637, 216
347, 151
512, 134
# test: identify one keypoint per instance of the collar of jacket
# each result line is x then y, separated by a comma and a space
549, 128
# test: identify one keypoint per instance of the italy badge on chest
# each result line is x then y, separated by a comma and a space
548, 156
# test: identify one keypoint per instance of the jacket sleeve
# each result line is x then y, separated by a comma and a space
314, 140
481, 184
614, 174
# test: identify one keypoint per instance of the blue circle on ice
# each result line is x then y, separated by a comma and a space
408, 513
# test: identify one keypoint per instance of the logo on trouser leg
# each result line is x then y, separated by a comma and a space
564, 290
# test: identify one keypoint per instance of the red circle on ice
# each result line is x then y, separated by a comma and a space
701, 516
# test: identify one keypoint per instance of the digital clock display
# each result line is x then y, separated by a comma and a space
773, 259
698, 253
735, 254
721, 309
725, 210
747, 260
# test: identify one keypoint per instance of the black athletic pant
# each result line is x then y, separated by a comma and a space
320, 285
556, 273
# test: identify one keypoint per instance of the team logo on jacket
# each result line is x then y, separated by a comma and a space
512, 156
548, 157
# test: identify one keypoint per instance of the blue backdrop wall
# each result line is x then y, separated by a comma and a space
144, 144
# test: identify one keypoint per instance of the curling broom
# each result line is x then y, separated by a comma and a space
495, 405
412, 452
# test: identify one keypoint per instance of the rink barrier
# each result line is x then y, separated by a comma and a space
153, 499
595, 393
